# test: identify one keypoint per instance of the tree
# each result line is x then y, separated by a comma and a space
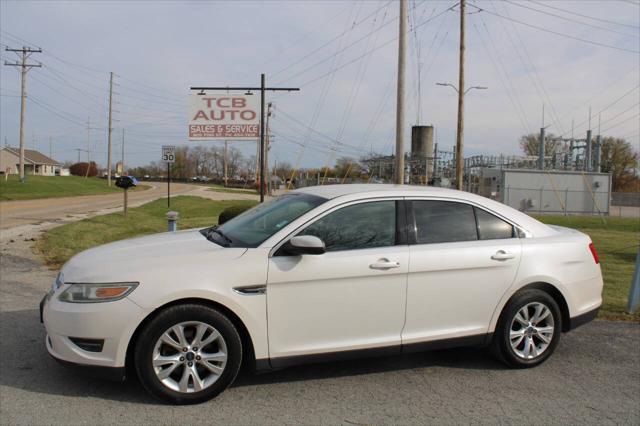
347, 167
617, 157
530, 144
80, 169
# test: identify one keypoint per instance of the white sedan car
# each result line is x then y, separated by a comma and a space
318, 274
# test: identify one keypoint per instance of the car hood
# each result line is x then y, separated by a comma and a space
126, 260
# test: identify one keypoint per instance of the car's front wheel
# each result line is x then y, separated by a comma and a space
188, 354
528, 330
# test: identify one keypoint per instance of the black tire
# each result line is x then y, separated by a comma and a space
501, 345
166, 319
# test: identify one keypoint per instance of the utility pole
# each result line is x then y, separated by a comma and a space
461, 93
541, 147
262, 90
122, 161
50, 148
86, 174
224, 163
266, 150
110, 130
24, 67
402, 48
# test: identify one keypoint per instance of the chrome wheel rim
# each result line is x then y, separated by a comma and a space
532, 330
189, 357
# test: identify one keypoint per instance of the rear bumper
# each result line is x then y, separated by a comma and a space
582, 319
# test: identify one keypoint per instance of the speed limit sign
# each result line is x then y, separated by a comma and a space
169, 154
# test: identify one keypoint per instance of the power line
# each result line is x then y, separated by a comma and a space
621, 122
619, 114
605, 89
585, 16
386, 43
511, 93
569, 19
607, 107
595, 43
355, 24
528, 64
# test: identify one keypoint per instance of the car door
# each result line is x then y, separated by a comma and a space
349, 298
462, 260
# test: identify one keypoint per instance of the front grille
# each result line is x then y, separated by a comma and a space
90, 345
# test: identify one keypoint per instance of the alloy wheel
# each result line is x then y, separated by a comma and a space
189, 357
531, 330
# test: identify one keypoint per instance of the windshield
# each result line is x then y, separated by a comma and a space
254, 226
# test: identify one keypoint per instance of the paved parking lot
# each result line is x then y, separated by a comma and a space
593, 378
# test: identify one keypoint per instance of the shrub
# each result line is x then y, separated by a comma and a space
80, 169
231, 212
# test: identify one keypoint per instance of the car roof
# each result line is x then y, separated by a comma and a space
333, 191
363, 191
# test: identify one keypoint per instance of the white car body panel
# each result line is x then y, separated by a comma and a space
336, 302
328, 303
460, 274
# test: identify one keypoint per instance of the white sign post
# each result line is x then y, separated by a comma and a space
169, 156
224, 117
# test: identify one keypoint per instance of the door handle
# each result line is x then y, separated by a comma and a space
503, 255
384, 264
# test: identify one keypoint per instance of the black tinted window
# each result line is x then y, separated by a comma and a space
491, 227
444, 221
359, 226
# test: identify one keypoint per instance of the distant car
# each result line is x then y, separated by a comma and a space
319, 274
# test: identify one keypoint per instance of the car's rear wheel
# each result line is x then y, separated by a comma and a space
528, 330
188, 354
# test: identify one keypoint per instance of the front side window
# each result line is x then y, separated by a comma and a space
256, 225
444, 222
359, 226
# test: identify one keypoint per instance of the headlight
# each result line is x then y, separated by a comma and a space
94, 293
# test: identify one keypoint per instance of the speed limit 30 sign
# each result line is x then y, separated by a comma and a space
169, 154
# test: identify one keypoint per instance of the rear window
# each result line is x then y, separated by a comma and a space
491, 227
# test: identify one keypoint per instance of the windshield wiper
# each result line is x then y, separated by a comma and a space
209, 232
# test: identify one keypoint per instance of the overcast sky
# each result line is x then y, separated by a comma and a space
343, 56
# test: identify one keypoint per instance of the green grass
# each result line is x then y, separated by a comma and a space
52, 186
617, 244
220, 188
59, 244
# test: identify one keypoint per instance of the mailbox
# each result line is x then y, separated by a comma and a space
126, 182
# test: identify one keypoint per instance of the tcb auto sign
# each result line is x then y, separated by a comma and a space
225, 117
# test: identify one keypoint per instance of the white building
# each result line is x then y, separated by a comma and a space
35, 162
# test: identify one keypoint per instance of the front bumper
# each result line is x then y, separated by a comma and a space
111, 323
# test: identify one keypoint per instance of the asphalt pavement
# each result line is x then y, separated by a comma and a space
593, 378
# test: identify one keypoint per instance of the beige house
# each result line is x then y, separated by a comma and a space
35, 163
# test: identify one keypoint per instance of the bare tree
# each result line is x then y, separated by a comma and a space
531, 142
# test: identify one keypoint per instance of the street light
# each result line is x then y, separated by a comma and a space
460, 131
466, 91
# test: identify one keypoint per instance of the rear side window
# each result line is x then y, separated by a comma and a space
444, 222
491, 227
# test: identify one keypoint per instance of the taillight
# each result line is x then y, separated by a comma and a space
596, 258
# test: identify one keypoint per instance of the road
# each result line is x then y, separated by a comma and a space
18, 215
25, 212
593, 378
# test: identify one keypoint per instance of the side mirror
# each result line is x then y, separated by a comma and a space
303, 244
